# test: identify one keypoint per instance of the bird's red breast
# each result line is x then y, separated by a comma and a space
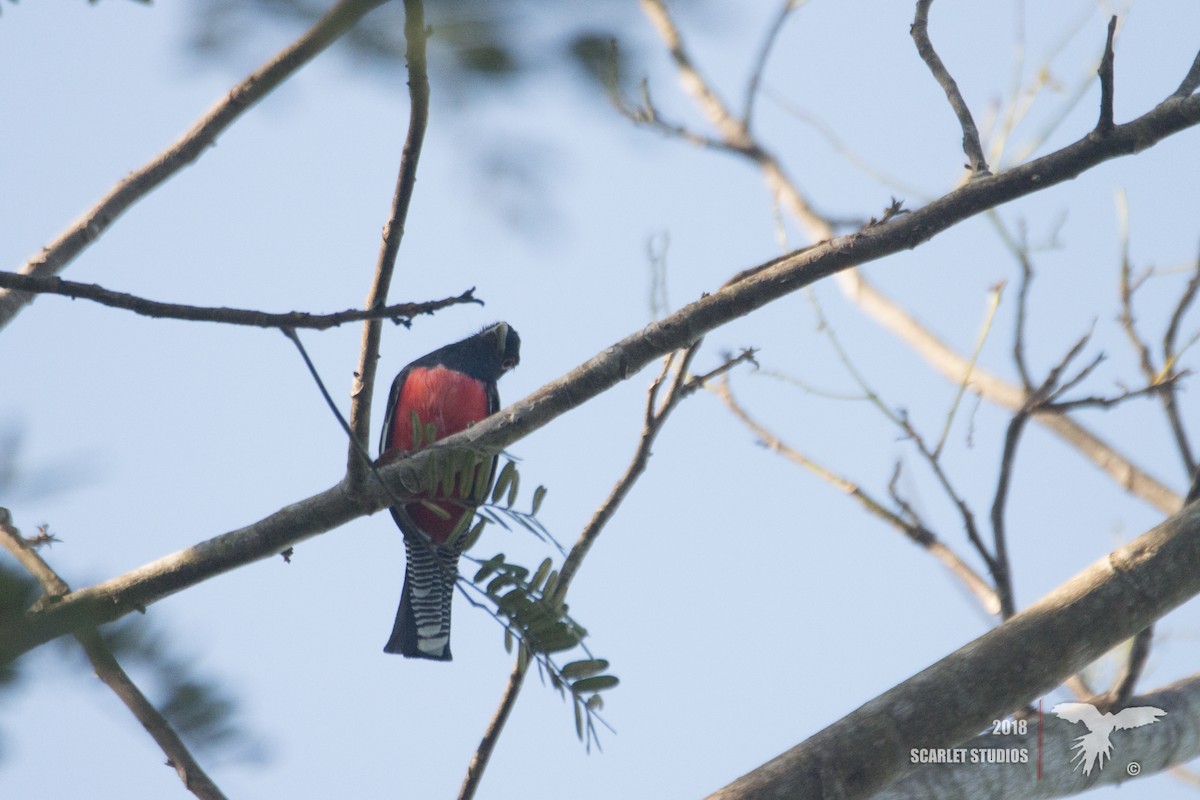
451, 401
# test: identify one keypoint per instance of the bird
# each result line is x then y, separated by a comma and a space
441, 394
1094, 746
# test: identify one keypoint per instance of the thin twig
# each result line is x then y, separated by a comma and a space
1170, 360
194, 778
1001, 567
393, 232
901, 421
1135, 664
971, 144
912, 528
483, 753
401, 313
1165, 377
1105, 124
731, 128
885, 311
994, 296
52, 258
1191, 81
1019, 247
655, 417
764, 52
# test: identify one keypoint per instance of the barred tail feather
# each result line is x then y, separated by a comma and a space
422, 628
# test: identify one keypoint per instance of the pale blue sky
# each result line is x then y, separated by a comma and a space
744, 604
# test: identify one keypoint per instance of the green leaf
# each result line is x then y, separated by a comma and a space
595, 703
508, 640
597, 683
483, 480
512, 489
582, 669
446, 474
473, 535
459, 533
502, 482
488, 567
551, 585
578, 718
437, 510
498, 583
430, 434
415, 419
539, 494
539, 576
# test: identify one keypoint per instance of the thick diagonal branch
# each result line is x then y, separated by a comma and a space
1000, 671
336, 506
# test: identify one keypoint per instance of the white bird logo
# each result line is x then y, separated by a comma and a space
1094, 746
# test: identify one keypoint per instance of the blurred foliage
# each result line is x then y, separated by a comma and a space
480, 51
475, 44
198, 706
17, 592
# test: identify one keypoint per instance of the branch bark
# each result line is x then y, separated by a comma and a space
393, 233
339, 504
1173, 740
229, 316
1004, 669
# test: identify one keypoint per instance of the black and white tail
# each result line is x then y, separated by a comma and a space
422, 628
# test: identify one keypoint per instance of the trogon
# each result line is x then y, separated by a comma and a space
435, 396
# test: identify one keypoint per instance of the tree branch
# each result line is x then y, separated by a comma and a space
1002, 670
971, 145
337, 505
401, 312
71, 242
913, 529
194, 778
363, 387
656, 417
1173, 740
886, 312
1105, 123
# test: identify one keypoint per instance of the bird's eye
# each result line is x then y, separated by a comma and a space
508, 364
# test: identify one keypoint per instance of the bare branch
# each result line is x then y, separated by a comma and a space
955, 698
1191, 81
1173, 741
1105, 124
873, 302
971, 145
764, 52
1002, 567
1135, 663
952, 365
655, 417
912, 527
194, 778
483, 753
732, 129
401, 313
52, 258
363, 386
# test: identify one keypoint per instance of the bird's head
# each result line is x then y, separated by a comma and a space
503, 345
